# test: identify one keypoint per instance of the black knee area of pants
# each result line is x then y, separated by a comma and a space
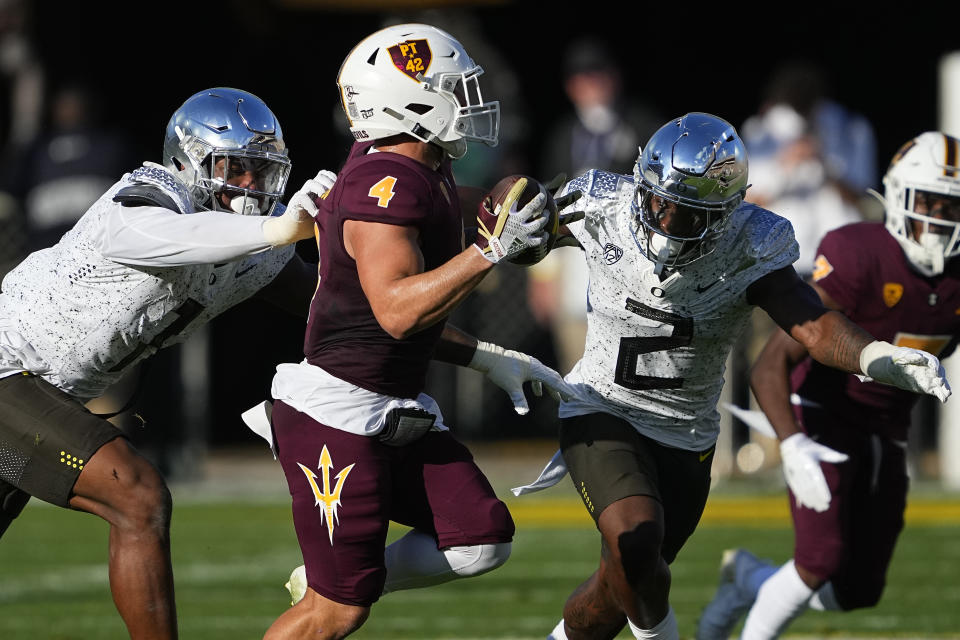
12, 502
639, 551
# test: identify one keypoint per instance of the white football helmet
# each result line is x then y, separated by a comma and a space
927, 166
690, 176
227, 141
416, 79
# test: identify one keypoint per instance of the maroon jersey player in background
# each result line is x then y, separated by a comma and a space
359, 441
898, 281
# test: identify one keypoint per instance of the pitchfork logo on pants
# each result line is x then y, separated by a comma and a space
327, 500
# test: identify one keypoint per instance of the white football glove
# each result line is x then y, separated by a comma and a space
801, 466
507, 231
907, 368
510, 369
317, 186
296, 223
297, 584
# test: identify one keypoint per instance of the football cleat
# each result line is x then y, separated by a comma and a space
733, 598
297, 584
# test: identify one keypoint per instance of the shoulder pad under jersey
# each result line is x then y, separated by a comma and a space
771, 238
145, 195
157, 176
596, 183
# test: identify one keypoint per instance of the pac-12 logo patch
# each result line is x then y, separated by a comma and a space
327, 500
612, 253
411, 57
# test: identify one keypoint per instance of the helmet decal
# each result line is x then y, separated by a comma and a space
412, 57
950, 159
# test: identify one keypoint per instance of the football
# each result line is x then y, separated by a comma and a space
499, 194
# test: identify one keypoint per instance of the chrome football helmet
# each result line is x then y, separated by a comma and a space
925, 171
416, 79
227, 147
689, 177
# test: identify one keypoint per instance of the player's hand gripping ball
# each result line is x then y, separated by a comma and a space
518, 221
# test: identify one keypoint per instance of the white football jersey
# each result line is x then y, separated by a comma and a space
125, 282
656, 350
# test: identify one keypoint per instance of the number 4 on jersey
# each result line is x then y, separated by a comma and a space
383, 191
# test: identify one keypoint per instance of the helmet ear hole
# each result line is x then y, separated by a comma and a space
176, 163
419, 109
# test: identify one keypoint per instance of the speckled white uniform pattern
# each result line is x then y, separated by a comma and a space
79, 319
697, 313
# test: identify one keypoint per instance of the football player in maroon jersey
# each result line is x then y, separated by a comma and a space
359, 441
898, 281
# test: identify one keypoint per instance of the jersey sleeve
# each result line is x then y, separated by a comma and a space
773, 245
838, 268
158, 237
386, 192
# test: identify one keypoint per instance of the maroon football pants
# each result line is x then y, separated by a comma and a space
347, 487
851, 543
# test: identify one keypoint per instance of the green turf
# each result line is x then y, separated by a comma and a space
231, 561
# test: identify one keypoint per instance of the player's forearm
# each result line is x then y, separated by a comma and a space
152, 236
413, 303
833, 340
770, 381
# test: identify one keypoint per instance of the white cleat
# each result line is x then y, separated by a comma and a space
297, 584
732, 598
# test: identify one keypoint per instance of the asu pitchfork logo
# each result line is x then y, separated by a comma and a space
327, 500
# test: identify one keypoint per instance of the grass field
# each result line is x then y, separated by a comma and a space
232, 557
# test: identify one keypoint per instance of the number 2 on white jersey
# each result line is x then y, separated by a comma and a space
383, 191
632, 348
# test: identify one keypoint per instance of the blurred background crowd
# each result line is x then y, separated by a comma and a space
86, 91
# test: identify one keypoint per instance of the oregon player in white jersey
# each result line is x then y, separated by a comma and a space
161, 252
126, 281
677, 260
656, 348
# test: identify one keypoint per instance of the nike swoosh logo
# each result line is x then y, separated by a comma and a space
704, 456
700, 289
243, 271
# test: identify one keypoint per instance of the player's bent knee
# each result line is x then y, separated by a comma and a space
638, 552
478, 559
133, 493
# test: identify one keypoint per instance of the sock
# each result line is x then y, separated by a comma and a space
783, 597
665, 630
753, 580
825, 599
414, 561
558, 632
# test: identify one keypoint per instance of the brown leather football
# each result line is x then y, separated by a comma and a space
500, 192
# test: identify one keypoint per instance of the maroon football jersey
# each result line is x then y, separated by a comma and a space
343, 336
862, 267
